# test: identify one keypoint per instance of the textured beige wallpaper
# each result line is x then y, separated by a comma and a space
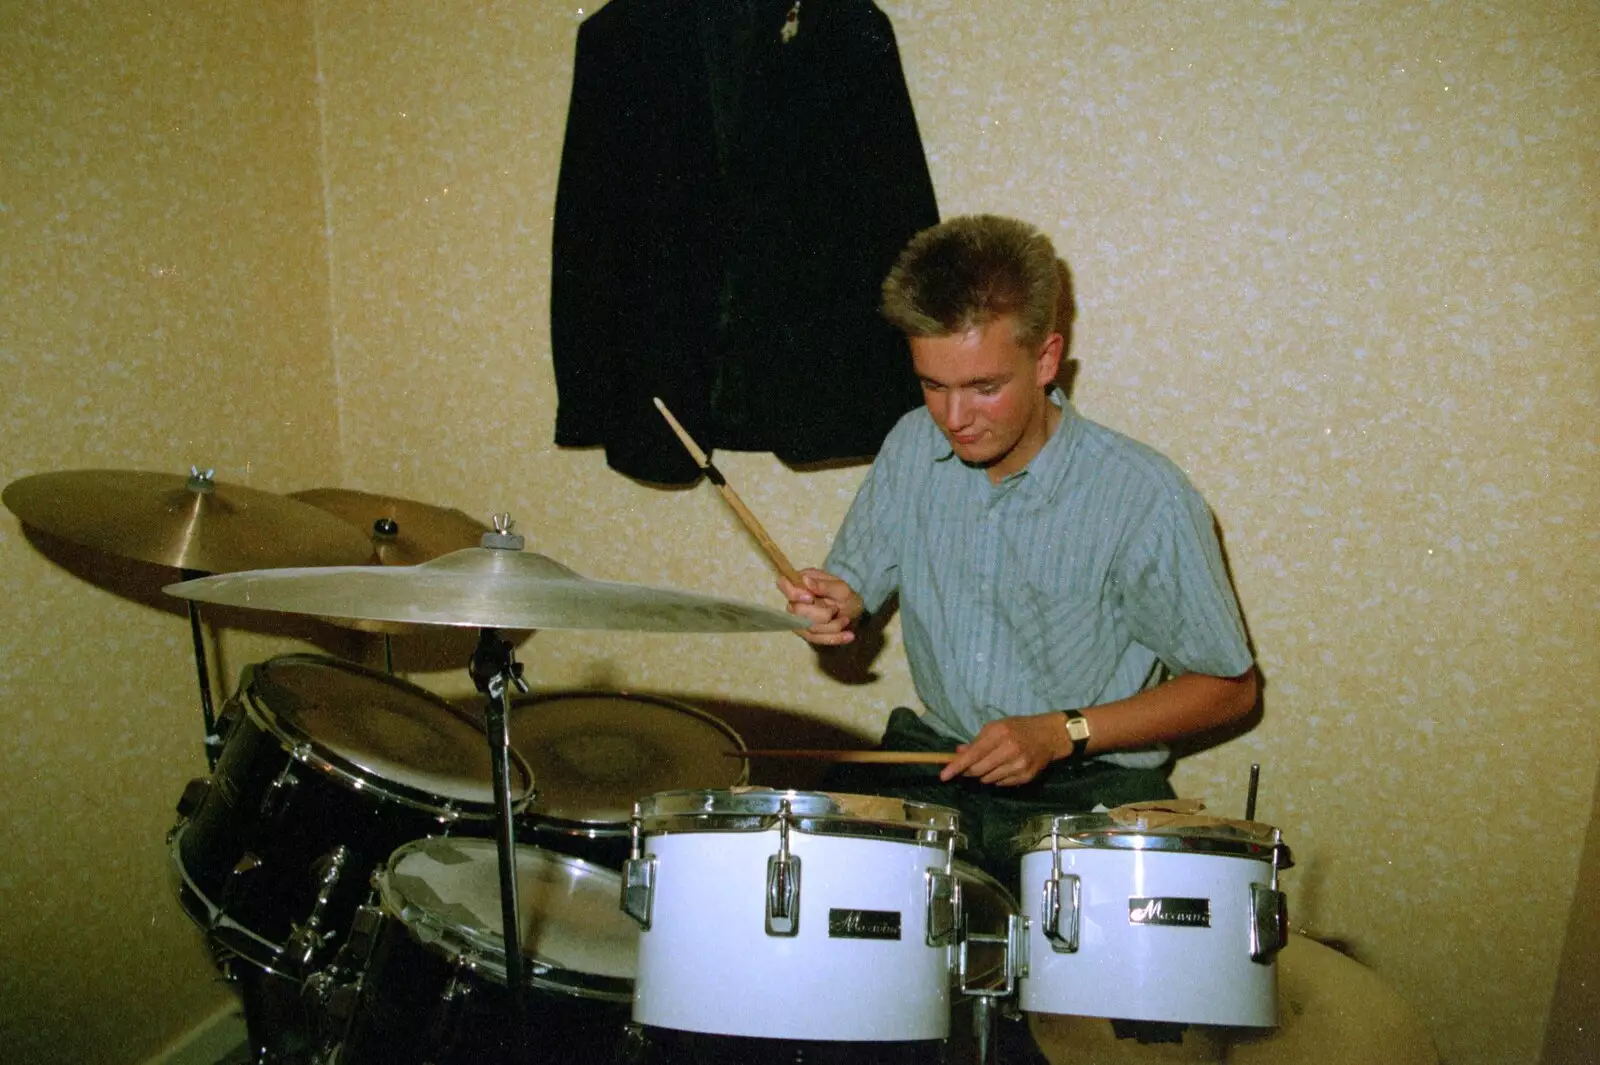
1570, 1037
163, 301
1337, 261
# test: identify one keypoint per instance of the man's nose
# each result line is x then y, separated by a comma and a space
957, 412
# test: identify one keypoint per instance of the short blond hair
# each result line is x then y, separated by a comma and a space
969, 271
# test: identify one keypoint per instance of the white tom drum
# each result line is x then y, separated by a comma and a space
793, 915
1146, 917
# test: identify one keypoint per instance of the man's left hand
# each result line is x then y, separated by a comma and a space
1010, 752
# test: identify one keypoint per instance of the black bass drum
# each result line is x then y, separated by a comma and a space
326, 768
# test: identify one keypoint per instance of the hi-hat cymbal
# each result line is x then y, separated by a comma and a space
192, 523
403, 532
483, 587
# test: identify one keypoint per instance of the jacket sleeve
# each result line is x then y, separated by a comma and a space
584, 249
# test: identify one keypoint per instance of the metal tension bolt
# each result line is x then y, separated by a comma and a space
783, 883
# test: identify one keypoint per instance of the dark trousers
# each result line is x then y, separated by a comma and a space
992, 816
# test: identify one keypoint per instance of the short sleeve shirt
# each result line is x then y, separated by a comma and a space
1080, 580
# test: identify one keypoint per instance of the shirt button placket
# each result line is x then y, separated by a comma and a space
989, 605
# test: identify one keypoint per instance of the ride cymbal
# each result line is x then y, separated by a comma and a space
403, 532
190, 523
483, 587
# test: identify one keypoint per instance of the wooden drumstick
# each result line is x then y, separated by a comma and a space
714, 475
880, 757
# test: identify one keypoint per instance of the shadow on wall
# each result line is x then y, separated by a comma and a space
142, 582
1066, 318
762, 726
416, 648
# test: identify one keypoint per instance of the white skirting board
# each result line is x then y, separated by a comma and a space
207, 1042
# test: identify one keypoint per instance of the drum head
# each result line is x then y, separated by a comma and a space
1187, 834
377, 726
594, 753
574, 935
835, 813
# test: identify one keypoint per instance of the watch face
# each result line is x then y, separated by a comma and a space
1077, 728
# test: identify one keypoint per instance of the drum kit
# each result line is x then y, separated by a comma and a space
388, 877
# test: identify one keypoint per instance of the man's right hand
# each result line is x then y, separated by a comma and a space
826, 601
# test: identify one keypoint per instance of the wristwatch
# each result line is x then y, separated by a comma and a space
1078, 730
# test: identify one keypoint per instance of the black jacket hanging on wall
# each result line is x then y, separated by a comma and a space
731, 195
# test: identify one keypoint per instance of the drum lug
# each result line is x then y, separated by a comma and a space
462, 978
194, 793
783, 895
452, 1001
783, 883
363, 933
330, 1004
301, 946
1269, 922
334, 1003
350, 960
639, 889
307, 938
944, 908
333, 993
1061, 928
276, 796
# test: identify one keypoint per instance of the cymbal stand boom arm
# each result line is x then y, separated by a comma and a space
495, 671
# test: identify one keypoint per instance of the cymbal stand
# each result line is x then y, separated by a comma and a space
495, 671
385, 531
983, 1030
213, 742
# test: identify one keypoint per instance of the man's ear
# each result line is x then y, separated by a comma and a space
1049, 360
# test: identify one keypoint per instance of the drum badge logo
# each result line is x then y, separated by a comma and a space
1177, 912
863, 924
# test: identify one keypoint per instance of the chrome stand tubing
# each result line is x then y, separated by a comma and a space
212, 742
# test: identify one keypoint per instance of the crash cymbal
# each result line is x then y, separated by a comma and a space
483, 587
192, 523
403, 532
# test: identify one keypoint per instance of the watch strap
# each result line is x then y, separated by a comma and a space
1078, 730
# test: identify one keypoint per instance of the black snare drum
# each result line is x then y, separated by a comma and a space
432, 985
326, 768
594, 753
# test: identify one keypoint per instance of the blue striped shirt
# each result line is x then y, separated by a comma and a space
1084, 578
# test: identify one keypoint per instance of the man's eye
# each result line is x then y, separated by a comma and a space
988, 390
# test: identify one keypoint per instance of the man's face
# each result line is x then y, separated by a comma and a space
986, 393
